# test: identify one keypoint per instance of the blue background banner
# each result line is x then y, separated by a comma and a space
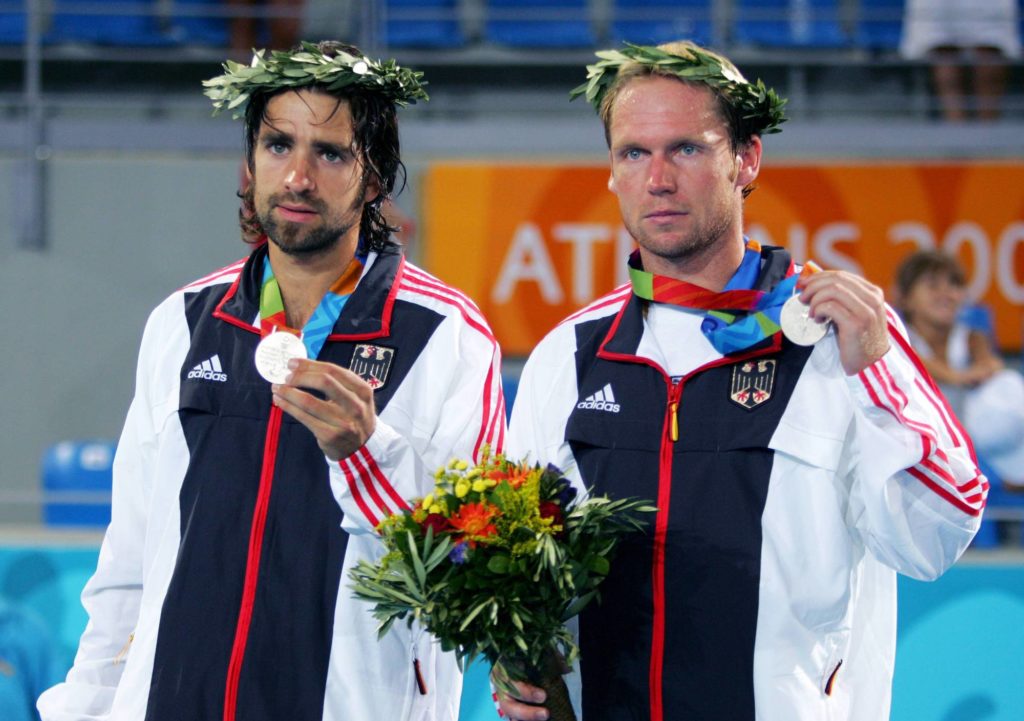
958, 658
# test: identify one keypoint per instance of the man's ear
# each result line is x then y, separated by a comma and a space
748, 162
372, 189
611, 173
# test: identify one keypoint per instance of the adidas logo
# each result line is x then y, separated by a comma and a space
603, 400
209, 370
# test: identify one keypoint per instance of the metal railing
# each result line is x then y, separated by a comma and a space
367, 26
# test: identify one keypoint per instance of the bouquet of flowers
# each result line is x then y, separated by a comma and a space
494, 562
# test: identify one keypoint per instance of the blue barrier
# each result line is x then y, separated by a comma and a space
958, 648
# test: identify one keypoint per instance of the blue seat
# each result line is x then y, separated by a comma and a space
652, 22
540, 23
12, 28
423, 23
509, 386
77, 480
129, 23
789, 23
880, 24
199, 28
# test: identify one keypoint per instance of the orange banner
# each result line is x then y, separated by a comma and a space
532, 243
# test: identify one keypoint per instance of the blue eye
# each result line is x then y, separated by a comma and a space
632, 154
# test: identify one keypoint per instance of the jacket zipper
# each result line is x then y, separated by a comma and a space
259, 520
670, 434
830, 683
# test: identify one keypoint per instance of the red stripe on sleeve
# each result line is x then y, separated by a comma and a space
364, 474
371, 463
933, 469
971, 510
357, 495
417, 283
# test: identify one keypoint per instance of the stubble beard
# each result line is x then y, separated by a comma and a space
295, 240
689, 245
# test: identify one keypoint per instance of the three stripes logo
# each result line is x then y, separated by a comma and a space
603, 400
209, 370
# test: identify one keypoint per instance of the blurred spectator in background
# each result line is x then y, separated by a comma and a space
984, 394
27, 662
931, 292
282, 27
961, 39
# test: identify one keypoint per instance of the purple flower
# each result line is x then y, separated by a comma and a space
458, 554
566, 494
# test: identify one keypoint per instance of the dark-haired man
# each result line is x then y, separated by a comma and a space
794, 474
309, 388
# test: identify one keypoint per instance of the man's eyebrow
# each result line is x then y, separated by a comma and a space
322, 146
275, 135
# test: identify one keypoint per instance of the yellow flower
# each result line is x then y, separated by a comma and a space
434, 509
482, 484
428, 501
461, 488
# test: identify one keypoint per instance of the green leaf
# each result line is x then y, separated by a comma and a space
473, 614
498, 564
417, 564
578, 605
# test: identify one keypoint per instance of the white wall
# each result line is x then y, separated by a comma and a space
123, 232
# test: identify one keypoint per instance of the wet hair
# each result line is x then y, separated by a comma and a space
375, 133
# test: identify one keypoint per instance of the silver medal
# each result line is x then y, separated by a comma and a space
798, 325
274, 352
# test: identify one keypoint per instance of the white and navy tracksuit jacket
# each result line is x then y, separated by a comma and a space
791, 495
222, 591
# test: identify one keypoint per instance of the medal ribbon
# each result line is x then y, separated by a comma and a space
736, 318
319, 325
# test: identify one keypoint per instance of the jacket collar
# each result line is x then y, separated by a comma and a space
366, 315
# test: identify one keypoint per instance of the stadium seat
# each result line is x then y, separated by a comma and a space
540, 23
80, 472
199, 29
12, 27
423, 23
880, 24
509, 386
651, 22
789, 23
130, 23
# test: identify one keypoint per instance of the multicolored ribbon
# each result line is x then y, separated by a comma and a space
737, 317
319, 325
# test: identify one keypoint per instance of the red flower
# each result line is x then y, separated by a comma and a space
515, 475
550, 509
436, 521
474, 520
